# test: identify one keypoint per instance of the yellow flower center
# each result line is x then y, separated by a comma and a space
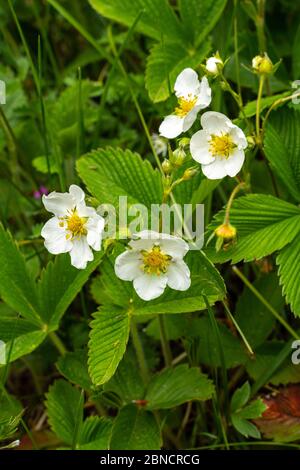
185, 105
221, 145
155, 261
75, 225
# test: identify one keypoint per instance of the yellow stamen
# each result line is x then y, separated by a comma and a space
75, 225
221, 145
155, 261
185, 105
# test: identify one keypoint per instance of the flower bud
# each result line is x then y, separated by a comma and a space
178, 156
262, 64
189, 173
226, 231
166, 166
226, 235
214, 65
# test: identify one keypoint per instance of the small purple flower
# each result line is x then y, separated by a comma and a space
37, 194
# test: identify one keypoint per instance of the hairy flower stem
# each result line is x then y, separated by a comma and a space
260, 297
137, 344
231, 199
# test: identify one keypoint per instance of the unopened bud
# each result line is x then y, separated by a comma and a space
178, 156
262, 64
166, 166
189, 173
214, 65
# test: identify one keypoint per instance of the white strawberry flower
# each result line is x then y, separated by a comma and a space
192, 95
75, 228
219, 146
153, 262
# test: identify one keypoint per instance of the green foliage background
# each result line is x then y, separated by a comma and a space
87, 83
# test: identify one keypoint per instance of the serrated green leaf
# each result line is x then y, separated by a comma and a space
110, 173
264, 224
17, 288
108, 340
165, 62
266, 102
95, 434
253, 410
244, 427
289, 272
135, 429
177, 385
282, 148
62, 403
240, 397
73, 366
55, 297
158, 17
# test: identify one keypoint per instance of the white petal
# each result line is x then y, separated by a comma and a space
95, 226
215, 123
235, 162
179, 277
145, 240
211, 65
204, 96
199, 147
128, 265
55, 237
171, 127
85, 211
58, 203
150, 286
190, 118
147, 235
215, 170
187, 83
81, 253
174, 246
77, 193
239, 137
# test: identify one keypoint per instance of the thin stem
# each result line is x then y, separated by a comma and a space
164, 342
238, 328
230, 201
258, 102
260, 297
57, 343
139, 351
260, 26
